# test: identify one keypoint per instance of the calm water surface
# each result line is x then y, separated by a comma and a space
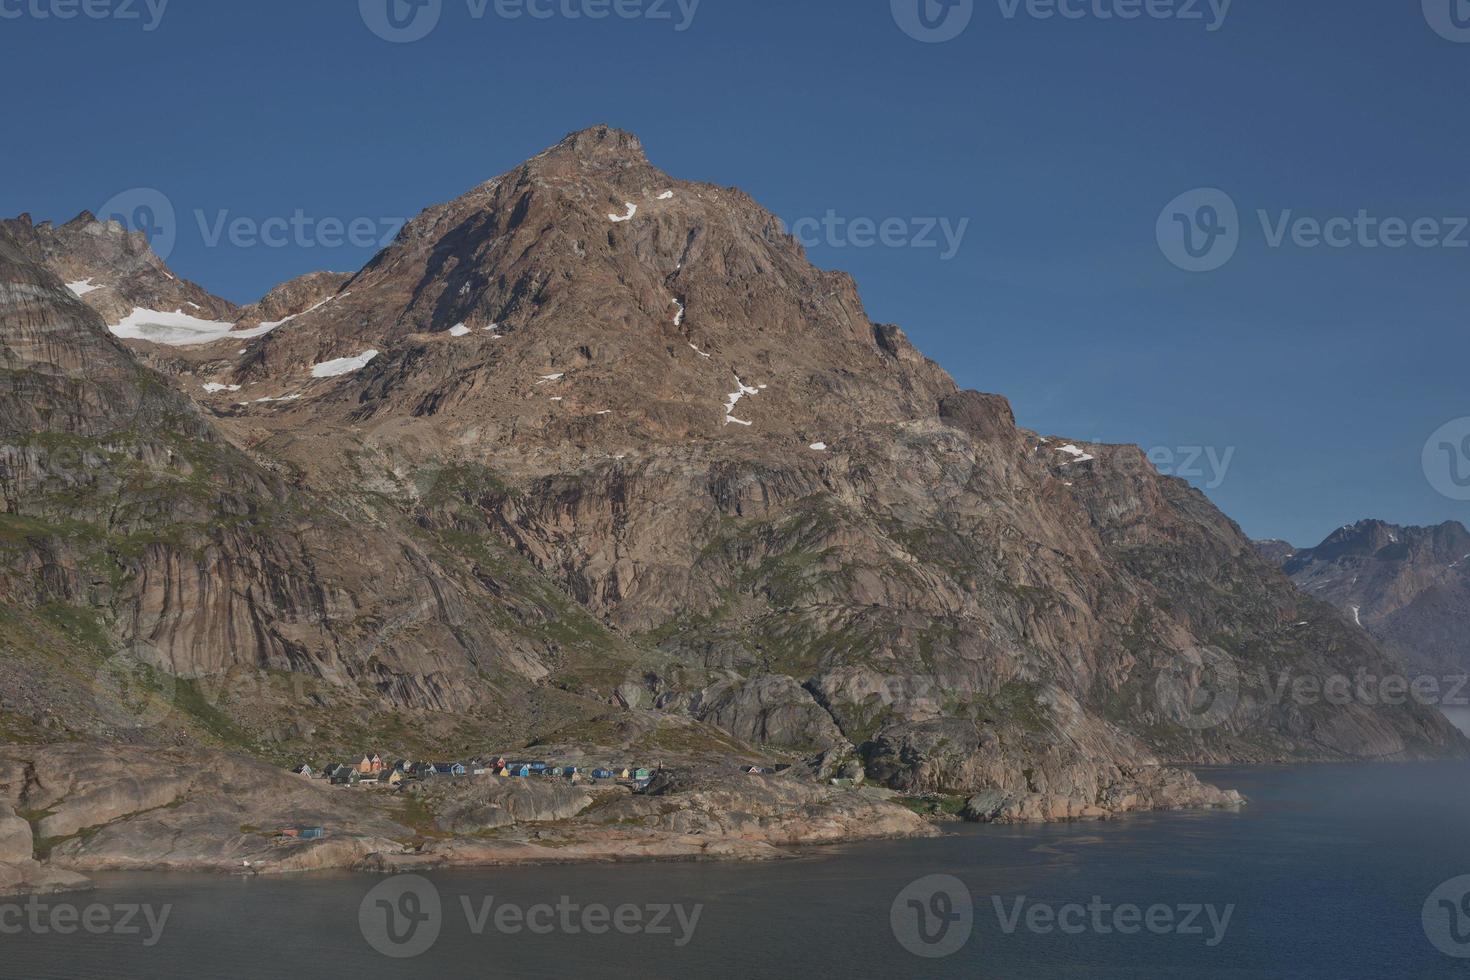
1326, 875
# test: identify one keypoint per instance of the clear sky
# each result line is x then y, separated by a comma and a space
1317, 373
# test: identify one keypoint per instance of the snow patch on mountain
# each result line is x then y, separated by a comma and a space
733, 399
632, 210
343, 365
179, 329
80, 289
1079, 456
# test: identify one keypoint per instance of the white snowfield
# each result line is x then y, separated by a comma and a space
179, 329
214, 388
547, 379
733, 399
459, 330
820, 447
632, 210
1079, 455
666, 195
698, 351
679, 317
343, 365
80, 289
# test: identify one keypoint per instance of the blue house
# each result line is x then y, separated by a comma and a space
520, 769
313, 833
604, 774
449, 769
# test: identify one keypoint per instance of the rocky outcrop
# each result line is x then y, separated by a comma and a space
115, 269
486, 804
1131, 791
225, 811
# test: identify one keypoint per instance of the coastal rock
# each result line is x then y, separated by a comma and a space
485, 804
16, 843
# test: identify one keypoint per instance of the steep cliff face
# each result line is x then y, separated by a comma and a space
133, 535
620, 437
1408, 587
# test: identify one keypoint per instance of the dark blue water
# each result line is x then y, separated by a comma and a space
1325, 875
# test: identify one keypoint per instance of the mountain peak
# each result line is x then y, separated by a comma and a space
602, 141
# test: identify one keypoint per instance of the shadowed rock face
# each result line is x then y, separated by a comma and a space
1408, 587
619, 440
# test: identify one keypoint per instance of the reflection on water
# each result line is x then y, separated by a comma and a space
1326, 875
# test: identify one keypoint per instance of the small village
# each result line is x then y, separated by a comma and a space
373, 771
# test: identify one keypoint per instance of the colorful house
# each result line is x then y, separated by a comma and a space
450, 769
604, 774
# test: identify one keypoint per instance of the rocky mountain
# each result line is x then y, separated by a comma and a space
590, 441
1408, 587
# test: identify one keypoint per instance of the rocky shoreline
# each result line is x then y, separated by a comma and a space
67, 811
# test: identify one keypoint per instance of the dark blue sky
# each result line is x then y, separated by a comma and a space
1319, 373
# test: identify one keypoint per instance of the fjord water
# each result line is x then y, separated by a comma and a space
1328, 871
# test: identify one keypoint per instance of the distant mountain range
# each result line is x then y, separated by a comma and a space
590, 441
1408, 587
